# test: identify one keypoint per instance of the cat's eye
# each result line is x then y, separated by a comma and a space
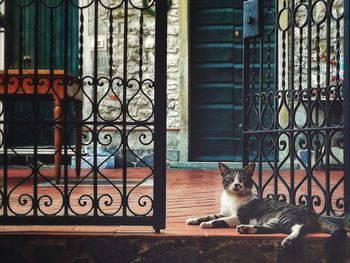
228, 180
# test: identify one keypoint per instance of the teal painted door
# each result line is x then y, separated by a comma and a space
51, 41
51, 36
216, 65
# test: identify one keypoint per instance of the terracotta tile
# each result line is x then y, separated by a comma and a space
189, 193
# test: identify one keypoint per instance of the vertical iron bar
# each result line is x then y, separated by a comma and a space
36, 110
52, 60
284, 93
318, 93
268, 73
95, 109
233, 86
245, 99
81, 46
275, 73
160, 115
65, 106
261, 103
110, 50
292, 112
326, 115
276, 57
346, 112
309, 115
5, 117
141, 49
79, 105
124, 107
52, 46
300, 78
20, 43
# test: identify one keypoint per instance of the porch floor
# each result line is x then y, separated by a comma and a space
189, 193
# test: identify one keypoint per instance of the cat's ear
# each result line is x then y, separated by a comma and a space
249, 169
223, 168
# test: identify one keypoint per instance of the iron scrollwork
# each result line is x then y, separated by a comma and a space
103, 112
294, 104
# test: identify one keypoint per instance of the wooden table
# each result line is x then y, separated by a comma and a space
49, 83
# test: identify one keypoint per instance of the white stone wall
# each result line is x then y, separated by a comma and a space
139, 107
319, 13
319, 50
139, 103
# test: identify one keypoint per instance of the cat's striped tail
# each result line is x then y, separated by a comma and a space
337, 231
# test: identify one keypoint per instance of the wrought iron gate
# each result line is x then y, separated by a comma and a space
108, 59
302, 151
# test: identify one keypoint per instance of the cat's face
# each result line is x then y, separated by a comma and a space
237, 181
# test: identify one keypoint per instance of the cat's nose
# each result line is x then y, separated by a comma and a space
238, 186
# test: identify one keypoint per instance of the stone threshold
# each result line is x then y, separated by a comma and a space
93, 247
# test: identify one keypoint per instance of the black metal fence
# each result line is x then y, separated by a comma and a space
295, 87
93, 75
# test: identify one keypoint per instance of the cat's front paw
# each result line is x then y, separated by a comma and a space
192, 221
287, 242
206, 225
246, 229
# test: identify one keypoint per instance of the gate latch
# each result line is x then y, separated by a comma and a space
251, 18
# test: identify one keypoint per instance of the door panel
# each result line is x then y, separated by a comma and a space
216, 74
50, 54
21, 21
216, 80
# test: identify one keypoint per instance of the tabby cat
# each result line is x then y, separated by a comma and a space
241, 208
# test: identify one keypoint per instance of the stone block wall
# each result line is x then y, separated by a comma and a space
139, 106
318, 46
140, 139
319, 64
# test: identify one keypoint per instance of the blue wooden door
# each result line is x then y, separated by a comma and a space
51, 35
216, 66
51, 42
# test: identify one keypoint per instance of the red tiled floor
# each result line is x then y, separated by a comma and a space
189, 193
